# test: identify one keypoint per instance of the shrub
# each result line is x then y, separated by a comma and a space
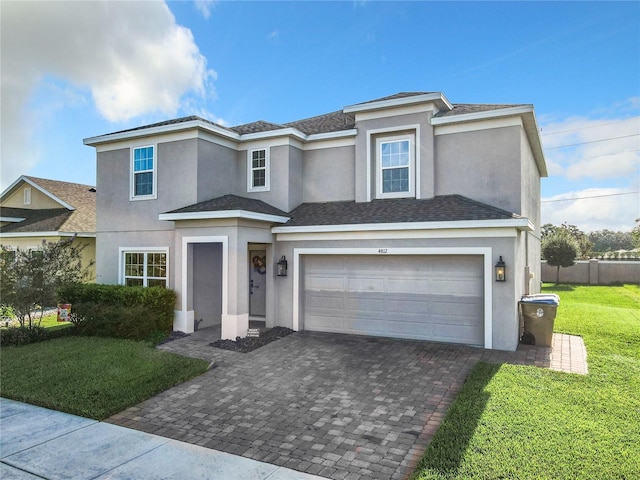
119, 311
22, 335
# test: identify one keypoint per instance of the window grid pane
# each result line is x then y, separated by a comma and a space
259, 168
395, 180
394, 162
259, 178
144, 183
145, 269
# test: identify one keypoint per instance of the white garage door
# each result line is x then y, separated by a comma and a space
435, 297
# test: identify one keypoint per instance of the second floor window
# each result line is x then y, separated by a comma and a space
395, 164
143, 173
258, 170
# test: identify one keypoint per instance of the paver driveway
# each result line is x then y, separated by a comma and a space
338, 406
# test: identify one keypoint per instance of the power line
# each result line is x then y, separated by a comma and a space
584, 128
591, 196
593, 141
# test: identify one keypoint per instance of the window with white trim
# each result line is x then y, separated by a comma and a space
145, 269
395, 167
26, 194
258, 175
143, 173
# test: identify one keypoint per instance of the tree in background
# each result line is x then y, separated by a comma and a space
635, 236
29, 278
609, 241
560, 249
584, 243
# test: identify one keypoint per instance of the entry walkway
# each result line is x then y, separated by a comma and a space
37, 443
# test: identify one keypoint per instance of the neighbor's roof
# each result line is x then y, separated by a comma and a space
77, 212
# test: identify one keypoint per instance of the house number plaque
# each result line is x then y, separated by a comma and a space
383, 250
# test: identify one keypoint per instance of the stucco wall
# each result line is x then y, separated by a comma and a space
176, 170
481, 165
107, 251
392, 126
329, 174
594, 272
218, 172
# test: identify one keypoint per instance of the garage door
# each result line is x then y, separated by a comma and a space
437, 298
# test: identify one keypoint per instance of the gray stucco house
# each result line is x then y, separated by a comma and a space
391, 215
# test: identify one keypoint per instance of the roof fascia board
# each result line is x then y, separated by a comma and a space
145, 132
437, 97
282, 132
470, 117
223, 214
517, 223
42, 190
486, 124
332, 135
47, 234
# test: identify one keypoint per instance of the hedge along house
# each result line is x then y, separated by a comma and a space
385, 218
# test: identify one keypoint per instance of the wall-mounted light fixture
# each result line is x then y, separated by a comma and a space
500, 271
282, 267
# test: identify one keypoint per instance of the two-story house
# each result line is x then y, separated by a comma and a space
385, 218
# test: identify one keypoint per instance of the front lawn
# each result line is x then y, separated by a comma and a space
91, 376
520, 422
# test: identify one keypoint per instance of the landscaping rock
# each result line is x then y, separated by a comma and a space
248, 344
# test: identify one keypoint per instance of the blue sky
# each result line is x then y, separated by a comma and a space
80, 69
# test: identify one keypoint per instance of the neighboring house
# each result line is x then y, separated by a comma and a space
33, 210
391, 215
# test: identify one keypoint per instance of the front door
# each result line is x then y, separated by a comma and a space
257, 282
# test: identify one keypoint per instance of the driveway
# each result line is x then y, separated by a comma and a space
338, 406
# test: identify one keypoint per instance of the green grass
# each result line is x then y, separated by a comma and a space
520, 422
90, 376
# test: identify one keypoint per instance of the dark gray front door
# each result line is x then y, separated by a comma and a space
257, 282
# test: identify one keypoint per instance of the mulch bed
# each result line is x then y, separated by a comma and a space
248, 344
173, 335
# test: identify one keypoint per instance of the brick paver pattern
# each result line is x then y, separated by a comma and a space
337, 406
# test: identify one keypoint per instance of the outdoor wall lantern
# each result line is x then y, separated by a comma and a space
500, 270
282, 267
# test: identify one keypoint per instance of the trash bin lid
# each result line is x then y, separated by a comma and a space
543, 299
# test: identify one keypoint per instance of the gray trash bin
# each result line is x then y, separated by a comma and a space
539, 313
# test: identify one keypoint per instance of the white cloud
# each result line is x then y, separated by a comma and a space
131, 56
594, 148
205, 7
593, 209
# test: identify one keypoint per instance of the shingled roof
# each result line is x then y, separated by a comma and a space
82, 219
446, 208
325, 123
231, 202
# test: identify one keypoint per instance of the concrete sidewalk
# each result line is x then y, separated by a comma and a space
39, 443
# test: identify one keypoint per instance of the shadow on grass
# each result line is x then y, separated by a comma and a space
560, 287
444, 454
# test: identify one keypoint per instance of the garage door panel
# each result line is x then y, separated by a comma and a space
363, 303
424, 297
325, 282
364, 284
